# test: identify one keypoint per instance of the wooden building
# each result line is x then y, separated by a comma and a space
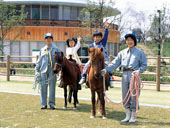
59, 17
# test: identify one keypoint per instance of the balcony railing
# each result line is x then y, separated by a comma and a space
63, 23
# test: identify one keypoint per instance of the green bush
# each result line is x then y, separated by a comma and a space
145, 77
151, 69
25, 72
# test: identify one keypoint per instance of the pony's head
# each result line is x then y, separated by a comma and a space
58, 59
96, 60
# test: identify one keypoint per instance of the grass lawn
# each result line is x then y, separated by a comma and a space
23, 111
147, 96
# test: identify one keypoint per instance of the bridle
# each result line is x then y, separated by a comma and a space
59, 65
92, 66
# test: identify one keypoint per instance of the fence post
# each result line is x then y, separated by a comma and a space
158, 73
37, 58
8, 67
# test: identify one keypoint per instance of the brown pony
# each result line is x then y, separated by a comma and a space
95, 79
69, 75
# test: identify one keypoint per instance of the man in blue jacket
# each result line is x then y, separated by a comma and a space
99, 42
44, 69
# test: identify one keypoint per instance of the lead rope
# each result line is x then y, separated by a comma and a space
134, 87
38, 82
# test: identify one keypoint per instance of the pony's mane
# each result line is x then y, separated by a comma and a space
95, 52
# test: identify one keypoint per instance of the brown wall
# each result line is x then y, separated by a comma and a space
36, 33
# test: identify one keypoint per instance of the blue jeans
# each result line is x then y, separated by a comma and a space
126, 81
49, 75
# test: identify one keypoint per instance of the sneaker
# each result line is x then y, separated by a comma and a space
52, 107
59, 77
82, 81
44, 107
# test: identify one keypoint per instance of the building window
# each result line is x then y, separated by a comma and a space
36, 12
54, 13
45, 12
79, 13
74, 13
27, 10
66, 13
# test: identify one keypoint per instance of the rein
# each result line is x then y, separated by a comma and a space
133, 91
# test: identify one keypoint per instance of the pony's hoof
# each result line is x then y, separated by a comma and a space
64, 107
91, 117
74, 108
104, 117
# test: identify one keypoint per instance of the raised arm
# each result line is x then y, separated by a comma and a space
106, 33
78, 44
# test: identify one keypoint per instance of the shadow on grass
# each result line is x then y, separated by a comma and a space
80, 108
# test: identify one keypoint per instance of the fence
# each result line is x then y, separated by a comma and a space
158, 65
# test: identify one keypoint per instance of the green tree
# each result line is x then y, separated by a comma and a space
95, 11
164, 25
11, 17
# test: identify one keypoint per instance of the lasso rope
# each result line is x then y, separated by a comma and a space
133, 91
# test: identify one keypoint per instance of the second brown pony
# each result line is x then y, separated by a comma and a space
95, 79
69, 75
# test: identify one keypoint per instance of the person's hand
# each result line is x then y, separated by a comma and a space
106, 24
103, 71
136, 71
79, 38
37, 74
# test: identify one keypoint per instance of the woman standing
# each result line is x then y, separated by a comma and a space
131, 60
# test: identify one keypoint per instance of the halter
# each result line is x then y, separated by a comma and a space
60, 65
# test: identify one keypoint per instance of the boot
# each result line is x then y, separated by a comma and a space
128, 114
133, 117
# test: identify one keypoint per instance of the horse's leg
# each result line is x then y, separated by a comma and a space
99, 103
65, 96
75, 99
70, 95
93, 111
102, 104
77, 102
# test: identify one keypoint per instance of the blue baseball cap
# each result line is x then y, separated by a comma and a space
48, 35
132, 35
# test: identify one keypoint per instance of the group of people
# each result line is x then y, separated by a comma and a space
131, 60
